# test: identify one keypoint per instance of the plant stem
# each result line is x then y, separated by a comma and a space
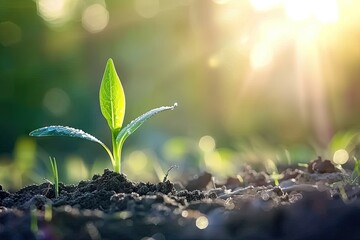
109, 153
116, 153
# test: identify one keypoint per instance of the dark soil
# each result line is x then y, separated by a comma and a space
319, 202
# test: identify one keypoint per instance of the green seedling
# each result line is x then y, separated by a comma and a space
55, 175
112, 105
276, 177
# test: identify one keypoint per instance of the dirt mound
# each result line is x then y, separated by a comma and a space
305, 205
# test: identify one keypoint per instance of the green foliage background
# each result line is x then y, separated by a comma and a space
196, 53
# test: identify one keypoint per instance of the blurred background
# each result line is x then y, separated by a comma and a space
257, 81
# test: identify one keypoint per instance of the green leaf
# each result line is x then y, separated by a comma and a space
61, 131
65, 132
112, 97
135, 124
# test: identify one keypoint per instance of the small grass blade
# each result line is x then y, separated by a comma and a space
55, 175
135, 124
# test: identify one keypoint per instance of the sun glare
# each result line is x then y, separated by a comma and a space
221, 1
264, 52
213, 62
260, 56
280, 27
147, 8
261, 5
51, 10
325, 11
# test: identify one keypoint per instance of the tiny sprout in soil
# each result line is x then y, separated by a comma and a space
54, 171
112, 105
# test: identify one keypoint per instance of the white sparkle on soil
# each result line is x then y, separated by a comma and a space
202, 222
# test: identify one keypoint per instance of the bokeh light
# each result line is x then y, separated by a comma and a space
10, 33
341, 156
95, 18
213, 62
76, 169
56, 101
260, 56
261, 5
207, 143
221, 1
202, 222
147, 8
184, 213
52, 10
137, 161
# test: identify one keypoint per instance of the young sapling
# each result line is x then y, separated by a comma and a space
112, 105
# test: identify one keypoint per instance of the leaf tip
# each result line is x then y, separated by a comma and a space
174, 105
110, 63
33, 133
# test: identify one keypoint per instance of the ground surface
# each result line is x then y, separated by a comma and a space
318, 202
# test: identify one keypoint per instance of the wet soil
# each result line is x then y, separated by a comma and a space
318, 202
